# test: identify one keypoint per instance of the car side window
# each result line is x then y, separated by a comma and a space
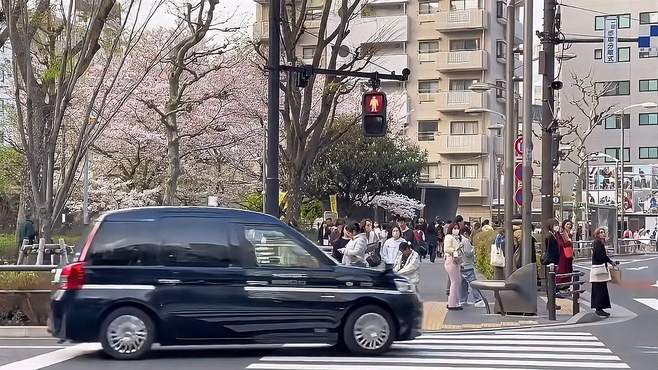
196, 242
124, 244
273, 247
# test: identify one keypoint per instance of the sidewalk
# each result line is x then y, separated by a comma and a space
432, 290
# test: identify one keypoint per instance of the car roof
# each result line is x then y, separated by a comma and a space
153, 213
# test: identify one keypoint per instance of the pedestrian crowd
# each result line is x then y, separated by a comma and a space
404, 244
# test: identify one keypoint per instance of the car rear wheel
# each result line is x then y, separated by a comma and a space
368, 330
127, 333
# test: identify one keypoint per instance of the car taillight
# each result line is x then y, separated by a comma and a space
73, 276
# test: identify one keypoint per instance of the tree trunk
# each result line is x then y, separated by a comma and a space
294, 197
174, 168
20, 218
578, 209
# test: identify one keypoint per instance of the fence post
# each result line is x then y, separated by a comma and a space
40, 253
575, 305
550, 292
21, 251
63, 253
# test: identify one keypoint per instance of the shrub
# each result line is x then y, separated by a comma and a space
482, 243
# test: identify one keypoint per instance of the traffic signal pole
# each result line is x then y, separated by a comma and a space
526, 213
510, 137
547, 61
271, 200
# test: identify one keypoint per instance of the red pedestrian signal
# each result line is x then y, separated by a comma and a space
374, 114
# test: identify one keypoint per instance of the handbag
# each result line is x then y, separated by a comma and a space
496, 257
373, 257
568, 252
599, 274
615, 276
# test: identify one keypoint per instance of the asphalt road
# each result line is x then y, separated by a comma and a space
607, 345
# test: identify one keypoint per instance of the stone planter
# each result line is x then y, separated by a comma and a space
24, 307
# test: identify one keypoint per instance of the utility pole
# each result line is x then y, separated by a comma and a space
510, 131
271, 201
526, 213
547, 61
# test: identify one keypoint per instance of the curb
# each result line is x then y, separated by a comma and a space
24, 332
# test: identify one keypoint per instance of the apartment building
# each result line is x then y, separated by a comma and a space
635, 80
448, 45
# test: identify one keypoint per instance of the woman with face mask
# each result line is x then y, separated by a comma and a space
390, 250
354, 253
451, 250
551, 246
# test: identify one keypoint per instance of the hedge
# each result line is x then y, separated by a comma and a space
482, 242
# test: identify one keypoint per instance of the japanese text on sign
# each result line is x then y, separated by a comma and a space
610, 39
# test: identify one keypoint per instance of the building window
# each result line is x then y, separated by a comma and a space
428, 86
613, 88
308, 52
426, 47
462, 85
624, 21
501, 9
648, 85
649, 152
464, 128
501, 49
428, 6
314, 14
464, 4
649, 18
427, 130
623, 54
598, 53
465, 45
500, 89
648, 119
614, 152
463, 171
614, 122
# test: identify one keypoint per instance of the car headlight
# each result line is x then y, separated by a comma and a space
404, 286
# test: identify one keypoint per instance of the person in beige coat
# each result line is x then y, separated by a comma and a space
451, 250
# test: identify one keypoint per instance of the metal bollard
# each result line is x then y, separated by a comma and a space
575, 305
64, 253
550, 292
22, 252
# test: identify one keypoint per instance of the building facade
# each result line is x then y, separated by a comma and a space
448, 45
634, 80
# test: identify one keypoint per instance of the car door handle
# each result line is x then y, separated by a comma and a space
257, 282
169, 281
289, 275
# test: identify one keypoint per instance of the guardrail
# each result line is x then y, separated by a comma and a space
583, 248
553, 293
43, 251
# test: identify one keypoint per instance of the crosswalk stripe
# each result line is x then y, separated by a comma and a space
511, 336
651, 302
447, 361
564, 334
267, 366
505, 348
503, 341
561, 356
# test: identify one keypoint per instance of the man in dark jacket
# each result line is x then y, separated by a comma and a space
28, 232
407, 233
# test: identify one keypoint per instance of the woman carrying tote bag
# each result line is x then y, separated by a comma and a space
599, 275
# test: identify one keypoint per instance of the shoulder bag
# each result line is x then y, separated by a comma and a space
599, 274
496, 258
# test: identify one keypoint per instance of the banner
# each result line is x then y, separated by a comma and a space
334, 203
610, 39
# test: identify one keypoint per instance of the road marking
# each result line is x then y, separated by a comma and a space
523, 332
32, 347
52, 358
639, 268
510, 336
448, 361
656, 284
651, 302
512, 342
451, 351
503, 348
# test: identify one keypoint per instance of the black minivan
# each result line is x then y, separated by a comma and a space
188, 275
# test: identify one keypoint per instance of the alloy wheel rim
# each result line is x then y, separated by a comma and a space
371, 331
126, 334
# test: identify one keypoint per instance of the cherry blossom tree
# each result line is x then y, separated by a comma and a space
397, 204
55, 46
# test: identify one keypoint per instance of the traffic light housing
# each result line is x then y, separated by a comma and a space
555, 148
373, 117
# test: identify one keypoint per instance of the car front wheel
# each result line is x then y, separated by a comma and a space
368, 330
127, 333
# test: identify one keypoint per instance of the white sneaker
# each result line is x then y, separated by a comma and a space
479, 304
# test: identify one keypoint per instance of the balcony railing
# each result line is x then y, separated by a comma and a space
461, 144
460, 100
462, 60
477, 187
457, 20
427, 97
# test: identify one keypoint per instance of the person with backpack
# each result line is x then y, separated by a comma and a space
419, 244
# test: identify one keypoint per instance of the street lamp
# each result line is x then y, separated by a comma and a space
494, 168
645, 105
484, 110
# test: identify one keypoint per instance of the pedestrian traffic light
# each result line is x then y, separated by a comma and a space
374, 114
555, 148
